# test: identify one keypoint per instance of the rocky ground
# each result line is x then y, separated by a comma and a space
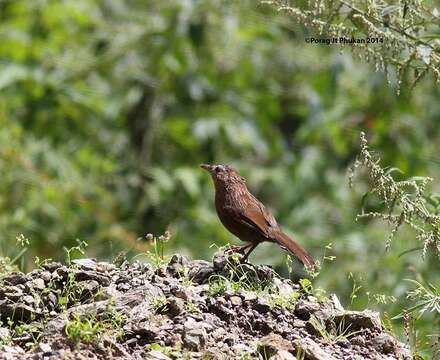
181, 310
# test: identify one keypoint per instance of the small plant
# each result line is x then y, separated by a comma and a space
217, 285
157, 257
33, 329
70, 292
175, 352
160, 305
246, 356
7, 265
427, 298
284, 301
405, 202
336, 333
80, 248
89, 328
83, 329
300, 354
191, 308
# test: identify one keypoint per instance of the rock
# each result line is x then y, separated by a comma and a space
51, 266
336, 303
28, 299
156, 355
88, 264
194, 336
262, 306
235, 300
38, 284
15, 278
312, 350
175, 306
46, 276
248, 295
5, 335
200, 271
177, 264
384, 343
81, 275
283, 355
265, 273
358, 340
104, 267
304, 309
196, 323
219, 261
358, 320
88, 289
182, 292
44, 347
13, 350
17, 311
12, 293
273, 346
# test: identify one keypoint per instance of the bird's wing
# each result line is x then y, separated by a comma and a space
258, 217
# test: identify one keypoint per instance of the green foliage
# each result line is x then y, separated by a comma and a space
406, 32
405, 202
428, 297
160, 305
89, 328
334, 332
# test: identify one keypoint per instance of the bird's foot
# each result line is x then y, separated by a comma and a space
234, 249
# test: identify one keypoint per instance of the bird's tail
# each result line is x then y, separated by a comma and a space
295, 249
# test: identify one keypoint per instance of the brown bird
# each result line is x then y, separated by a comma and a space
246, 217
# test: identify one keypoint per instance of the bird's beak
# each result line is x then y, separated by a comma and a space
206, 167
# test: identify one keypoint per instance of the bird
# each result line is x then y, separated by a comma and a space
246, 217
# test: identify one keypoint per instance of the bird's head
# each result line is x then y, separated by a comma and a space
223, 174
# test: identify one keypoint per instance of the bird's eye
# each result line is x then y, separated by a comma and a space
219, 168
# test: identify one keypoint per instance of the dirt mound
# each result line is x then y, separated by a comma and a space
181, 310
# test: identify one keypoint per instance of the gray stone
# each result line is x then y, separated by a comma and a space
5, 335
177, 264
312, 350
272, 345
156, 355
358, 320
235, 300
304, 309
384, 343
88, 289
105, 267
194, 335
92, 275
175, 306
51, 266
88, 264
219, 261
28, 299
45, 275
15, 278
262, 306
17, 311
38, 284
200, 271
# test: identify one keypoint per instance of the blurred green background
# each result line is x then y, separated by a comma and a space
108, 107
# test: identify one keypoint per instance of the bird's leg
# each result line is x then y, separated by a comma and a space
233, 249
237, 249
251, 247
